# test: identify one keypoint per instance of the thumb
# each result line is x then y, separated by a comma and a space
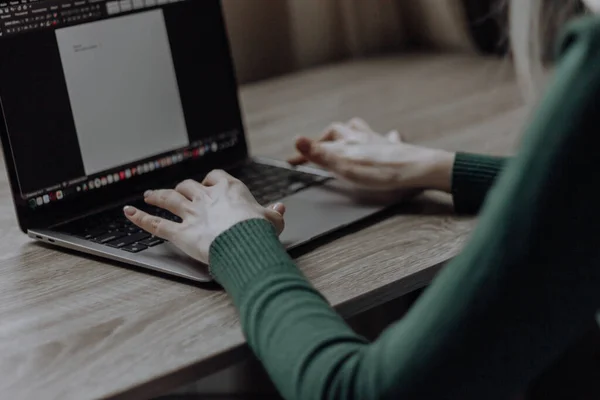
274, 214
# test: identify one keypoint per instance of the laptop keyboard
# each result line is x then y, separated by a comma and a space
269, 184
110, 228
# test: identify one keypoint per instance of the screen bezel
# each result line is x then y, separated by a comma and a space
67, 209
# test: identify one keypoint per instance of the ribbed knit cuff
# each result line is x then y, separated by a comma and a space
472, 177
245, 251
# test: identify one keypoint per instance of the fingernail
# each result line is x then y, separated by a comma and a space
128, 210
147, 193
277, 207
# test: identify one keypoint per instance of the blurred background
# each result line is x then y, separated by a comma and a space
273, 37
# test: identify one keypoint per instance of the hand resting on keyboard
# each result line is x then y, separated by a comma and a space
206, 210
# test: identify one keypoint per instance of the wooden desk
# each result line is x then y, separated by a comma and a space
75, 328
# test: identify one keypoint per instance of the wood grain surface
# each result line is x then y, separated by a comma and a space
73, 327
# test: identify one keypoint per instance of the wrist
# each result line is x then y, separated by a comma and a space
438, 170
244, 251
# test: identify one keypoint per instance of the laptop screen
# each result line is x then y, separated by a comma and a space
97, 93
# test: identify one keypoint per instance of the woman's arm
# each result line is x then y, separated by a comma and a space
524, 288
491, 321
473, 175
467, 176
353, 151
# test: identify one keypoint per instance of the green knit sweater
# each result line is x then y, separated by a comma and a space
526, 285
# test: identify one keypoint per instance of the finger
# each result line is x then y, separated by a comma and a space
360, 124
332, 157
328, 155
276, 219
298, 159
394, 137
347, 132
301, 157
217, 177
354, 135
278, 207
169, 200
156, 226
191, 189
330, 134
314, 152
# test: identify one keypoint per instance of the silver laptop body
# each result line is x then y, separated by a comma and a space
130, 99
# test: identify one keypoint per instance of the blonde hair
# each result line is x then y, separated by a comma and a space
533, 28
524, 19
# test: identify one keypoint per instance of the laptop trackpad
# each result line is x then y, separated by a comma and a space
320, 210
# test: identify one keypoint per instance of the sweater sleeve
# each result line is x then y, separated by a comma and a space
523, 289
472, 177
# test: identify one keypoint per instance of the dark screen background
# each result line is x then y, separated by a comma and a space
202, 66
38, 112
37, 109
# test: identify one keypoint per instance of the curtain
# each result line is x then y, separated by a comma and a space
439, 23
325, 29
271, 37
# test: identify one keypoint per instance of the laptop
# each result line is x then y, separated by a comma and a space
102, 100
